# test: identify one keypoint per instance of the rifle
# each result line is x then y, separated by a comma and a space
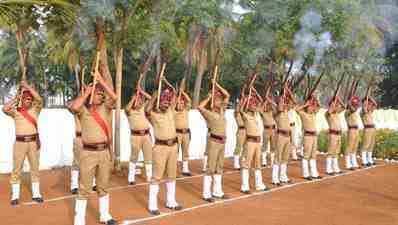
181, 89
353, 88
82, 77
314, 88
368, 90
20, 89
160, 77
213, 87
143, 70
95, 76
336, 92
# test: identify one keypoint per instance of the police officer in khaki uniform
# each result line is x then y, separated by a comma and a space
369, 132
182, 127
25, 110
240, 136
216, 122
269, 133
162, 117
252, 148
336, 107
140, 135
352, 118
95, 157
77, 146
283, 139
307, 113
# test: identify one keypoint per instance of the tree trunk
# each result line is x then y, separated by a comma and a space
119, 73
196, 90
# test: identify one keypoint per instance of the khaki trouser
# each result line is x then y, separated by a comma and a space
77, 146
22, 150
269, 137
215, 152
165, 160
310, 144
334, 145
369, 139
251, 153
143, 143
283, 145
96, 164
183, 142
240, 141
353, 141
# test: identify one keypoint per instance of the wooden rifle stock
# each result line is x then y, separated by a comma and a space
160, 85
95, 77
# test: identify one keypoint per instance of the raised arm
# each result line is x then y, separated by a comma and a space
10, 106
78, 102
109, 91
204, 103
151, 104
187, 98
224, 92
34, 93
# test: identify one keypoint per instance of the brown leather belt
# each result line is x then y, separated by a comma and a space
335, 132
168, 142
283, 132
369, 126
78, 134
353, 127
241, 127
183, 130
218, 138
95, 146
309, 133
267, 127
255, 139
27, 138
139, 132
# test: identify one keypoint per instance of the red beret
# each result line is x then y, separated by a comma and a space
355, 100
26, 93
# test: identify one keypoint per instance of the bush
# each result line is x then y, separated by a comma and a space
386, 143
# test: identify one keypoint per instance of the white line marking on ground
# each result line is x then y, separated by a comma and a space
132, 186
136, 221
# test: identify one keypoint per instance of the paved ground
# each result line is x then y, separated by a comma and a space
363, 197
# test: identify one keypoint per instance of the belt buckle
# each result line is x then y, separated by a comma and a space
28, 139
100, 146
170, 142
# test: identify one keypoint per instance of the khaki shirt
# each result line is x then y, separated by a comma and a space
22, 125
351, 118
333, 121
268, 118
78, 125
282, 121
182, 119
238, 119
251, 125
91, 130
367, 118
137, 118
163, 124
308, 120
216, 121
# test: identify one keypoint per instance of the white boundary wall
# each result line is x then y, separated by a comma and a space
56, 128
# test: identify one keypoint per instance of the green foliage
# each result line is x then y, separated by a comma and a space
386, 143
